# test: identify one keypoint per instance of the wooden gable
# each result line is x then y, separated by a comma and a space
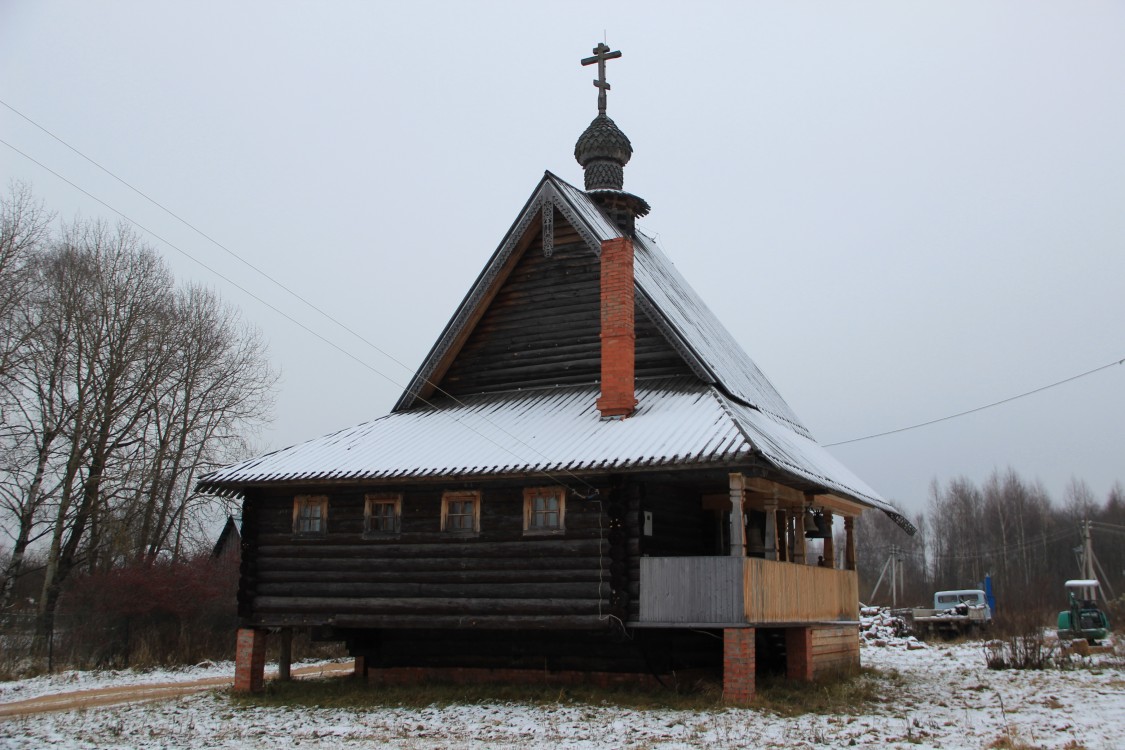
541, 325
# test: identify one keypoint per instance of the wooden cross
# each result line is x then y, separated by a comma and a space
601, 54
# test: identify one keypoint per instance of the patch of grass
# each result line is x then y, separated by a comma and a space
838, 694
348, 692
1009, 742
833, 695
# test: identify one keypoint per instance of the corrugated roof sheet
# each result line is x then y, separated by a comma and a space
555, 431
549, 430
701, 332
678, 422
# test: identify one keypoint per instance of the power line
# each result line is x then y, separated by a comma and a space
978, 408
260, 272
310, 331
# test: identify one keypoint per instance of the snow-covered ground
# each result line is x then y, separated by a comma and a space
70, 680
946, 698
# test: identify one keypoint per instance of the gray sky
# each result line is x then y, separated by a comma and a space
901, 210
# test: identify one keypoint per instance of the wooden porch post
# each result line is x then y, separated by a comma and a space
737, 516
849, 543
285, 655
784, 536
799, 553
771, 528
829, 543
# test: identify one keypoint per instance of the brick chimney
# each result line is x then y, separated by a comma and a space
618, 397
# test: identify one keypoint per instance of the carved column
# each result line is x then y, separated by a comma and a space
829, 542
737, 522
799, 553
771, 528
784, 536
849, 543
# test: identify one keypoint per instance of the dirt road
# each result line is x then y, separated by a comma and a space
113, 696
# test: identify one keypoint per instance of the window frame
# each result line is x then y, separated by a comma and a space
529, 496
452, 496
372, 499
302, 503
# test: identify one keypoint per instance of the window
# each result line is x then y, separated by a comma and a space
382, 514
460, 512
310, 515
544, 510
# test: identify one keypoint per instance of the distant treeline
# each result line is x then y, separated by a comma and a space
1008, 528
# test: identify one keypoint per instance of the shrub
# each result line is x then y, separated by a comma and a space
163, 613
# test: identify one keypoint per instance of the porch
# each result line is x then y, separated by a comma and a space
740, 591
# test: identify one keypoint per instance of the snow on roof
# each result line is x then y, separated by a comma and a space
708, 341
735, 411
673, 305
555, 432
515, 432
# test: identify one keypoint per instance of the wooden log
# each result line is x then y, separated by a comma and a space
546, 546
468, 607
365, 575
583, 563
539, 590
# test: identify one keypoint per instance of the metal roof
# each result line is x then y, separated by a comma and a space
677, 309
554, 431
730, 413
696, 328
678, 422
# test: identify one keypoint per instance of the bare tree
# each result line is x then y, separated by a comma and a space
27, 435
116, 294
219, 386
23, 228
118, 390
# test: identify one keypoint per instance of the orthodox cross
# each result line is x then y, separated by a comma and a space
601, 54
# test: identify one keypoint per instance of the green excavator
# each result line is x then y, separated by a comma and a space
1083, 619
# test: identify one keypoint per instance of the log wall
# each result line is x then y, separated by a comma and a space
543, 327
424, 577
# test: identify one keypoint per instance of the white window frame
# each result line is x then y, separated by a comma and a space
460, 496
530, 494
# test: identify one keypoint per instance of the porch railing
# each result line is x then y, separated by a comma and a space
729, 590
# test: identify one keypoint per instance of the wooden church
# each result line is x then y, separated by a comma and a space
587, 479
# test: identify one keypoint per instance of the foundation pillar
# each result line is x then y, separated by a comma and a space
738, 666
250, 661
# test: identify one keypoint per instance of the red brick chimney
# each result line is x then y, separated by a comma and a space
618, 397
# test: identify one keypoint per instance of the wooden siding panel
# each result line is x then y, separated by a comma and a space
691, 590
835, 649
778, 592
725, 590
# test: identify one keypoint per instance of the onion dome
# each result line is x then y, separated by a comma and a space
603, 151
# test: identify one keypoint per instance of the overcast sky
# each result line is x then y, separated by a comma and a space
901, 210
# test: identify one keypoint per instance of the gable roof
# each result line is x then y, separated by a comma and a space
665, 296
678, 422
730, 414
555, 432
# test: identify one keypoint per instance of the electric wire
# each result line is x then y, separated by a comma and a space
1009, 549
259, 271
978, 408
551, 477
391, 357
